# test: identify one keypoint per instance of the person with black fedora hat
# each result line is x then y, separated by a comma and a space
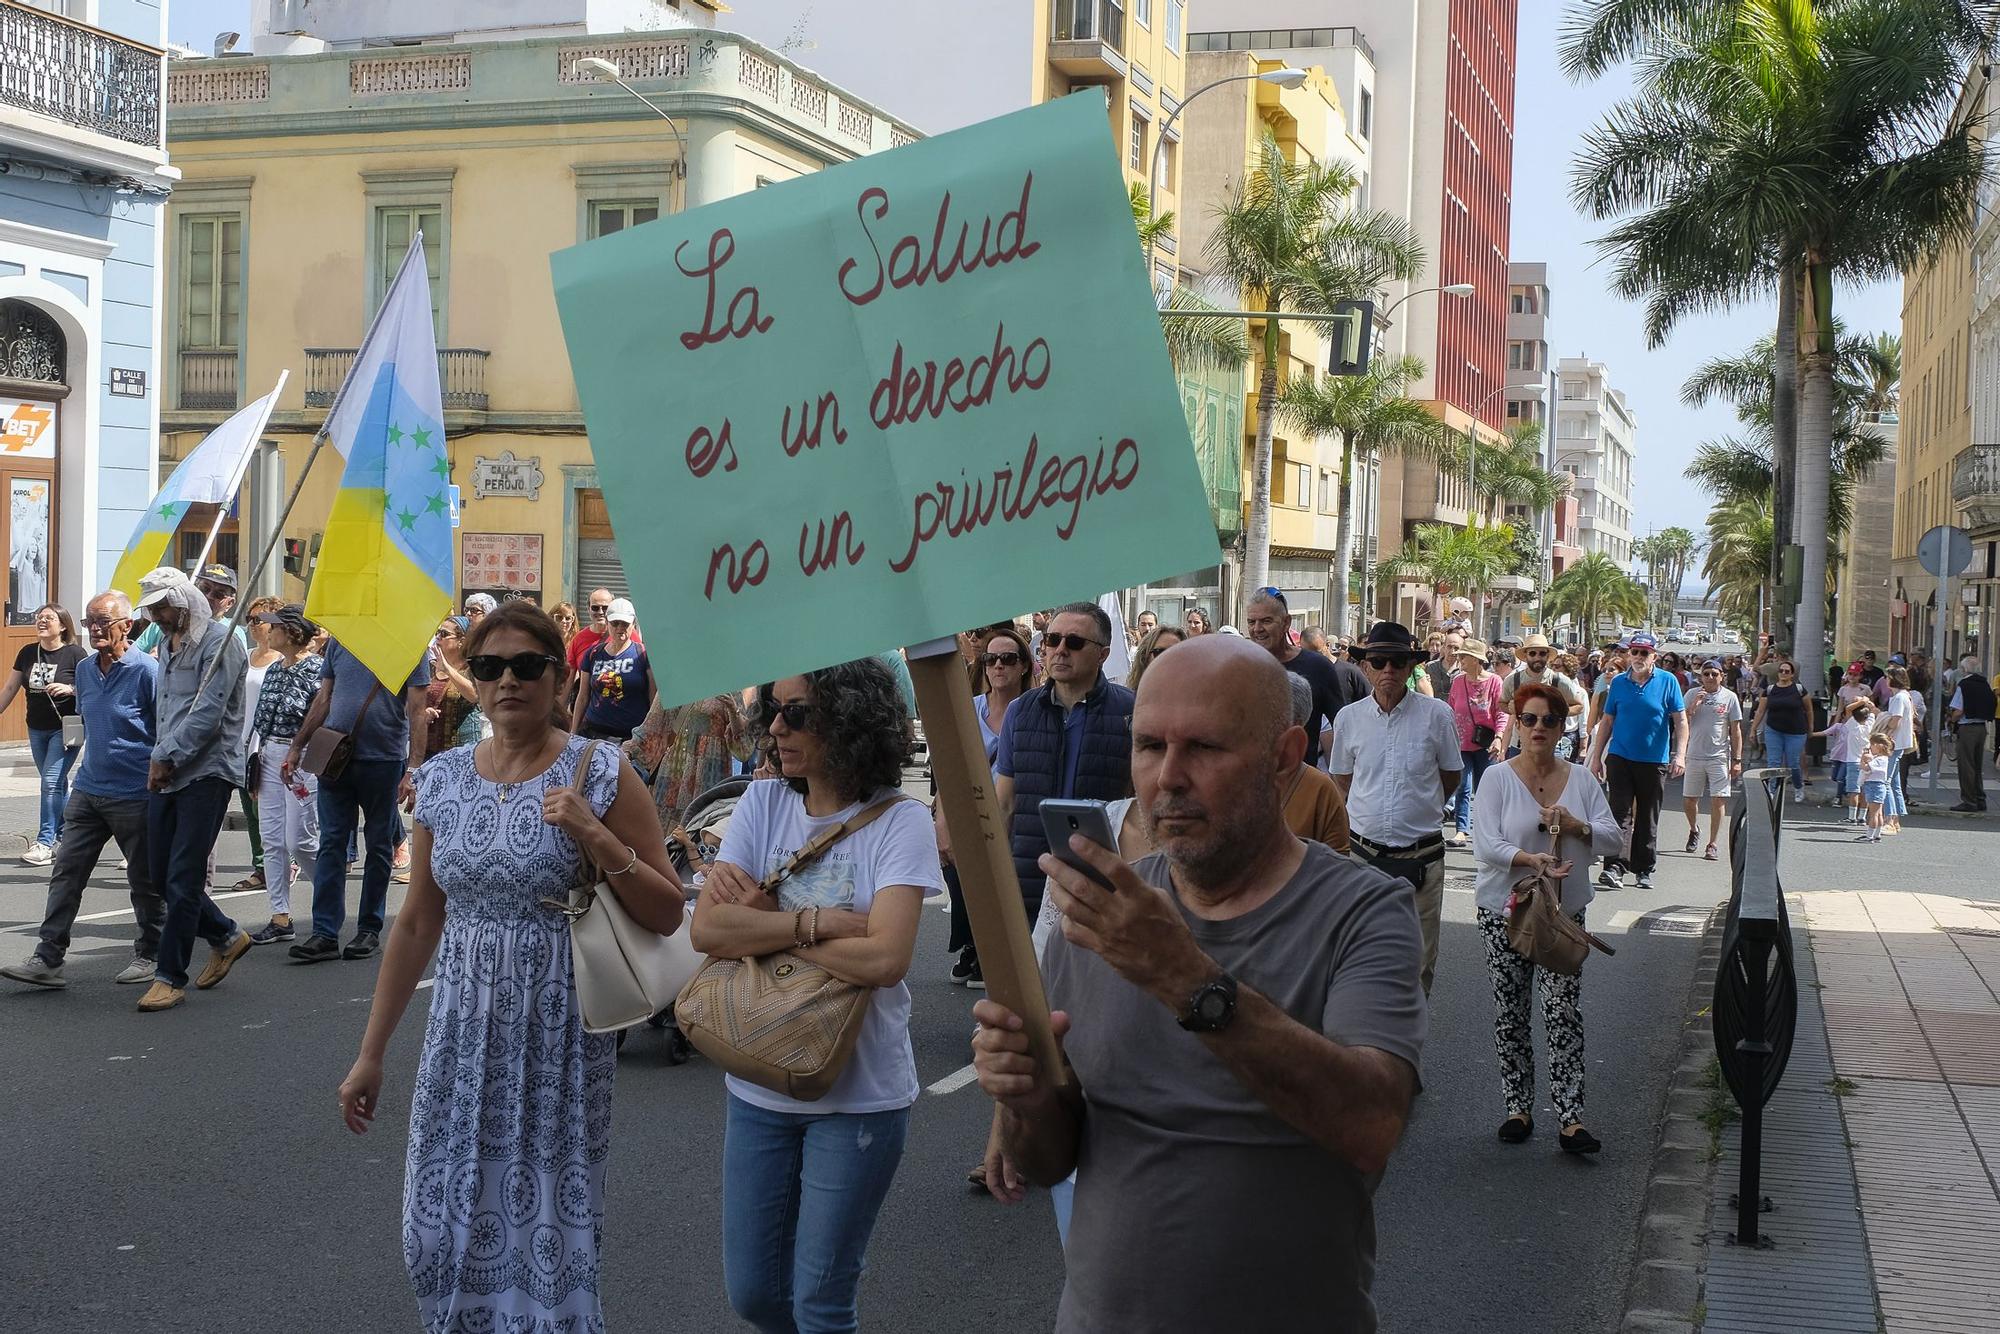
1384, 749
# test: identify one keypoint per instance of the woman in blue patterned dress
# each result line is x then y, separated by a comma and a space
510, 1119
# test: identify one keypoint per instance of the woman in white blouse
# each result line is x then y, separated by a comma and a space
1520, 801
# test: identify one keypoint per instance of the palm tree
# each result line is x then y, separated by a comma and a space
1195, 342
1882, 371
1368, 411
1773, 137
1452, 559
1666, 554
1289, 239
1737, 563
1592, 588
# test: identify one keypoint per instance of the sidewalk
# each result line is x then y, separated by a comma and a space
1883, 1141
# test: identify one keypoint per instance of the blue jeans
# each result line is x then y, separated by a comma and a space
1476, 762
1784, 750
52, 762
800, 1193
1897, 806
364, 792
181, 828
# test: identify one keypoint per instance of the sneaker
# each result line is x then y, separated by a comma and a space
221, 958
38, 854
161, 996
365, 945
1709, 853
316, 949
124, 863
967, 962
1610, 879
1693, 838
139, 970
272, 933
1645, 880
1798, 795
977, 981
37, 972
1963, 808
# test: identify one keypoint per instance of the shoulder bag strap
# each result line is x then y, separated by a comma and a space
818, 845
588, 876
374, 688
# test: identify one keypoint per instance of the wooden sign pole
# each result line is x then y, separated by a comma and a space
980, 847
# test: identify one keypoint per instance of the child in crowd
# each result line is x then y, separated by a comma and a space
1846, 748
1875, 785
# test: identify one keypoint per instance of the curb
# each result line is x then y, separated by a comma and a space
1664, 1294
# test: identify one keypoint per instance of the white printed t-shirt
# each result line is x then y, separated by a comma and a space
900, 848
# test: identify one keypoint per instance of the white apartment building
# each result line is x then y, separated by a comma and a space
1595, 443
1527, 343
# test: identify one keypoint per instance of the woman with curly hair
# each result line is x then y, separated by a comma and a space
1157, 641
802, 1182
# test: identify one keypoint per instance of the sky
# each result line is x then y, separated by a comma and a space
1551, 116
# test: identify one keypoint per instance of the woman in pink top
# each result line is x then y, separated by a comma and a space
1475, 703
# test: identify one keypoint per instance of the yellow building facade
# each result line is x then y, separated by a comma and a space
305, 178
1935, 427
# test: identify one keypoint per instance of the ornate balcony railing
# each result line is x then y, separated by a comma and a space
78, 75
1975, 485
208, 378
461, 376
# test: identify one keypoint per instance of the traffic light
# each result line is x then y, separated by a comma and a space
1353, 339
295, 557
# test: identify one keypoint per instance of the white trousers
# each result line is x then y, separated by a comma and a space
290, 825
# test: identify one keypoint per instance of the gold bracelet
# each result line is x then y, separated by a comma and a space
798, 929
812, 928
626, 869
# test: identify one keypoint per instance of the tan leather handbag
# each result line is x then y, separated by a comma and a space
780, 1021
1538, 928
625, 972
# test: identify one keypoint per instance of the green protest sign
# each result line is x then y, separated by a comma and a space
878, 404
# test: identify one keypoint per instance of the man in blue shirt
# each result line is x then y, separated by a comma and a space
1640, 742
107, 799
387, 730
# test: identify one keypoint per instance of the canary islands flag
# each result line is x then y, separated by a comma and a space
208, 476
385, 566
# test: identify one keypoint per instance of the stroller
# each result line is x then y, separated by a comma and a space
692, 845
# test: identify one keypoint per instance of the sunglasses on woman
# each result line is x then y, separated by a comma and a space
1008, 659
796, 716
525, 666
1532, 721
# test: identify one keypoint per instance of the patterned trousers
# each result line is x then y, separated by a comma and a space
1562, 1024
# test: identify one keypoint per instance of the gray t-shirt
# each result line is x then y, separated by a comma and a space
1197, 1208
385, 733
1708, 718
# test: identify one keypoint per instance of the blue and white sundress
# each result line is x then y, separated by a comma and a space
510, 1119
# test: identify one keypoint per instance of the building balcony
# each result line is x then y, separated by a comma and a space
208, 379
1975, 486
92, 98
1087, 38
461, 376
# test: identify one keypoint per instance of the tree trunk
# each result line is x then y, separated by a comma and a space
1257, 533
1343, 541
1815, 468
1784, 427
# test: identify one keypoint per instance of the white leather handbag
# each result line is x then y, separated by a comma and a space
625, 972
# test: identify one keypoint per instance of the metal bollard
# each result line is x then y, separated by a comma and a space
1756, 1003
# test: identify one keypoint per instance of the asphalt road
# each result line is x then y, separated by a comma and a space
186, 1171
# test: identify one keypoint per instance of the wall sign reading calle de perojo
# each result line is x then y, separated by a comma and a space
922, 390
516, 479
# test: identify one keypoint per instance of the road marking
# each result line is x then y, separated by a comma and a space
954, 1081
31, 927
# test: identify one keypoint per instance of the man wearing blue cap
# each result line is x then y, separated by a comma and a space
1640, 741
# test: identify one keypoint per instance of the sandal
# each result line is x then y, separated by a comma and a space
1578, 1140
1516, 1129
255, 880
977, 1176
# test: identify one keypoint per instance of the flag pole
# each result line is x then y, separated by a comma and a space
414, 253
236, 481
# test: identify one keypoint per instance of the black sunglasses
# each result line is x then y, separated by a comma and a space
525, 666
1532, 720
599, 608
1007, 659
1074, 643
1638, 653
1381, 663
795, 715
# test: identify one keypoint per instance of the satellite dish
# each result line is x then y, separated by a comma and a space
225, 42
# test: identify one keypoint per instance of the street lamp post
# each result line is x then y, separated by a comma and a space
605, 72
1283, 78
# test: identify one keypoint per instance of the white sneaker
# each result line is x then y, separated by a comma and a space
141, 969
38, 854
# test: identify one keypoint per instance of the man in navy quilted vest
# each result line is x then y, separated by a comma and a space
1071, 737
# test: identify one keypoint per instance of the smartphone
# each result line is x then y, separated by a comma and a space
1062, 817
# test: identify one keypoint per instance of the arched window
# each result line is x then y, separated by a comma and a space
32, 347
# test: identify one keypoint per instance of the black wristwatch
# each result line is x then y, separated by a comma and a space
1212, 1007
